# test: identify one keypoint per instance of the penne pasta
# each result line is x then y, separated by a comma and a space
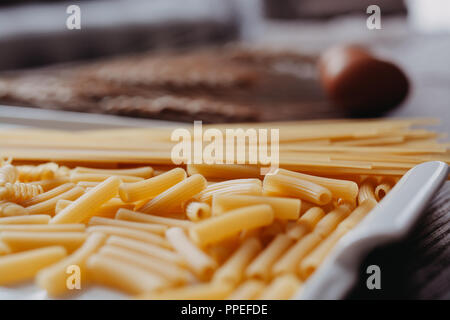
305, 223
220, 227
19, 267
124, 214
203, 291
151, 187
85, 206
196, 211
196, 259
48, 194
283, 208
74, 227
175, 195
281, 288
49, 206
37, 219
238, 186
142, 226
224, 171
11, 209
143, 172
248, 290
99, 177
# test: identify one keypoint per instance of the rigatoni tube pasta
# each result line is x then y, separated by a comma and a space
220, 227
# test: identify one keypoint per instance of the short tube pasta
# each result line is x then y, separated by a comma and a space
49, 206
230, 187
151, 187
283, 208
89, 202
220, 227
298, 188
99, 177
37, 219
196, 211
175, 195
143, 172
125, 214
281, 288
142, 226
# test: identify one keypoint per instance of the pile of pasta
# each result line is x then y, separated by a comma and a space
158, 231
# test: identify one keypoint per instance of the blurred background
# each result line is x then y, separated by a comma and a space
220, 60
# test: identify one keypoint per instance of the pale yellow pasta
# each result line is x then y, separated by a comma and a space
305, 223
248, 290
98, 177
49, 206
202, 291
125, 276
171, 272
315, 258
27, 240
142, 226
344, 189
124, 214
37, 219
88, 184
222, 250
61, 204
262, 264
132, 234
281, 288
85, 206
197, 260
237, 186
8, 174
292, 257
48, 194
110, 208
294, 187
11, 209
152, 187
143, 172
196, 211
19, 192
224, 171
147, 249
228, 224
383, 188
233, 270
367, 190
283, 208
73, 227
54, 277
18, 267
175, 195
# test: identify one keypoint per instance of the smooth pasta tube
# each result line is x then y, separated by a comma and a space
224, 171
99, 177
367, 190
171, 272
11, 209
110, 208
18, 192
383, 188
312, 261
262, 264
221, 227
75, 227
281, 288
298, 188
238, 186
143, 172
202, 264
37, 219
233, 270
291, 258
25, 240
248, 290
124, 214
344, 189
283, 208
54, 278
18, 267
196, 211
203, 291
305, 223
147, 249
33, 173
175, 195
8, 174
48, 194
49, 206
119, 274
142, 226
151, 187
85, 206
132, 234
